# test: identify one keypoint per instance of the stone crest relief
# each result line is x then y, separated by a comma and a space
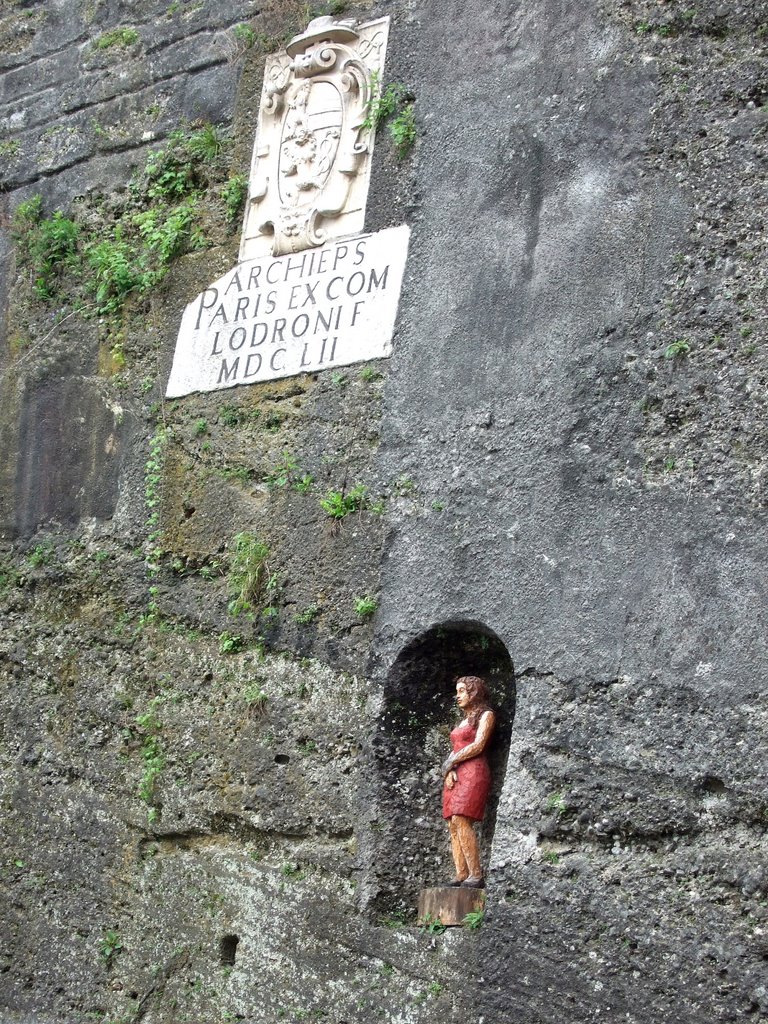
312, 158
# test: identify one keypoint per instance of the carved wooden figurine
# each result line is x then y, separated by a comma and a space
467, 776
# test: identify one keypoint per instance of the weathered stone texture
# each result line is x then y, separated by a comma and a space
554, 494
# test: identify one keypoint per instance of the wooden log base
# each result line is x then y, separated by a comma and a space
449, 904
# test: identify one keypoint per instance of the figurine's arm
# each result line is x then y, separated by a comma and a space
484, 733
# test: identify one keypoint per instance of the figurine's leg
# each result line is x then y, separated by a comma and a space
459, 860
470, 847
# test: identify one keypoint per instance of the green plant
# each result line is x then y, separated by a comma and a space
9, 576
42, 554
366, 606
152, 755
669, 464
304, 485
474, 919
369, 375
211, 570
396, 102
403, 130
556, 802
307, 747
551, 857
382, 103
254, 695
309, 614
282, 473
338, 505
293, 871
230, 415
248, 572
233, 194
394, 920
200, 427
110, 946
245, 35
115, 272
329, 7
205, 143
435, 988
677, 348
339, 379
153, 476
230, 643
116, 37
404, 485
432, 925
49, 246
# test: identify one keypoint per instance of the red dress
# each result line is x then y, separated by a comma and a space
470, 792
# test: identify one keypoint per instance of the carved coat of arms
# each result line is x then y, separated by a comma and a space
311, 161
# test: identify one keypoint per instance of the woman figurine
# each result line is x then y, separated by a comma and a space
468, 779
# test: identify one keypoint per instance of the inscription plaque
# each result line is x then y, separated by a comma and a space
280, 316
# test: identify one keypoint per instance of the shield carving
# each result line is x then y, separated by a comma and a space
310, 141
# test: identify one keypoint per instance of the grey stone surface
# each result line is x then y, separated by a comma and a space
554, 491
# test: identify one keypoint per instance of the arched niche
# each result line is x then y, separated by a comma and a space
412, 740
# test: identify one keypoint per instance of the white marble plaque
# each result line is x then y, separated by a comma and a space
279, 316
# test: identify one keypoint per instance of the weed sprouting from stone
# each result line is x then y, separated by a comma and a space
231, 643
366, 606
394, 102
309, 614
474, 919
556, 802
338, 505
110, 946
248, 572
677, 348
233, 194
117, 37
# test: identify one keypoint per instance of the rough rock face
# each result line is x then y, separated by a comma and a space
219, 816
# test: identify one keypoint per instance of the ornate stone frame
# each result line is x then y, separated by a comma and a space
312, 155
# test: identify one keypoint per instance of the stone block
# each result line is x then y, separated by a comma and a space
449, 904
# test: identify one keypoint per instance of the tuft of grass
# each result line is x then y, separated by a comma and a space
254, 696
245, 35
205, 143
120, 37
248, 572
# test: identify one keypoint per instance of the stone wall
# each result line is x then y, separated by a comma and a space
563, 463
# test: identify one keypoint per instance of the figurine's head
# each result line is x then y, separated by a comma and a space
471, 691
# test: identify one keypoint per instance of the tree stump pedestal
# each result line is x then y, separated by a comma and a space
449, 904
